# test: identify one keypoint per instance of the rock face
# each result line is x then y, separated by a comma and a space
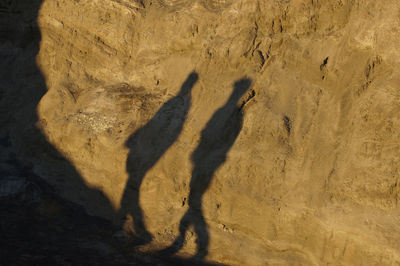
244, 132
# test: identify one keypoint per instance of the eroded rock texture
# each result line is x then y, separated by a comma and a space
244, 132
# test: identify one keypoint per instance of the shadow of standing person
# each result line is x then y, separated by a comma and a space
217, 138
146, 146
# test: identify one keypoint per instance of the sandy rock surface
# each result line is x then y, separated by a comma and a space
243, 132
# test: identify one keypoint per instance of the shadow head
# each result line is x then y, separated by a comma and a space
240, 88
189, 82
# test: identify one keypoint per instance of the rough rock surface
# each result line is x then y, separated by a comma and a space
244, 132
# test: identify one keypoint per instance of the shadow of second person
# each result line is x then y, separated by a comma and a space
217, 138
146, 146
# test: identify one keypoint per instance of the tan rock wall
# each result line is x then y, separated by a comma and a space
312, 177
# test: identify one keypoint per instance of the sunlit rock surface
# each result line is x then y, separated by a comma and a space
302, 167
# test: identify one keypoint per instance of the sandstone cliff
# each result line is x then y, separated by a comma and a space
244, 132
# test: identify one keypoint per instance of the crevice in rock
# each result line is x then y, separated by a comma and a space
287, 123
250, 96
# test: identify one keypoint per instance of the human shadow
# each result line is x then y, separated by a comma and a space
146, 146
22, 88
217, 138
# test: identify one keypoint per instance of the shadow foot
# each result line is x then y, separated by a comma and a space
200, 255
142, 239
173, 248
176, 246
133, 239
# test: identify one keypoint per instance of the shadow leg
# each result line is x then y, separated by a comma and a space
131, 200
200, 228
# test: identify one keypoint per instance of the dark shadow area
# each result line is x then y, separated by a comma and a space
22, 88
216, 140
37, 227
146, 146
